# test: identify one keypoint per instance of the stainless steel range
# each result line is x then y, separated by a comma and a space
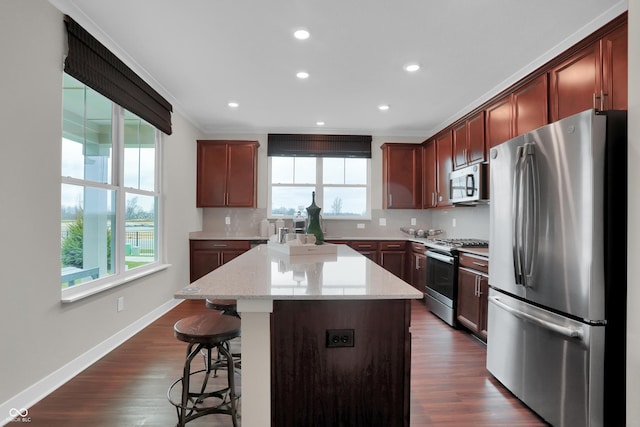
442, 275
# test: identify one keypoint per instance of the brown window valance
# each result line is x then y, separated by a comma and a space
93, 64
310, 145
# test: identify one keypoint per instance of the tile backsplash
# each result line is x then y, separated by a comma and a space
470, 222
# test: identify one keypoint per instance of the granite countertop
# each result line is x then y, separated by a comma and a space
263, 273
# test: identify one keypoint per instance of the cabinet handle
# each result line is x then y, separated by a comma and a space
390, 198
392, 246
603, 95
595, 101
479, 286
480, 264
433, 198
475, 285
417, 262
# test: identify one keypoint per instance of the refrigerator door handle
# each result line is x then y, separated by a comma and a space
559, 329
516, 217
531, 198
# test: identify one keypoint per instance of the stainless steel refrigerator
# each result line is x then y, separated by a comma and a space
557, 275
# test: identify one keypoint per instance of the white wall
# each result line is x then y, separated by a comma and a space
633, 250
41, 336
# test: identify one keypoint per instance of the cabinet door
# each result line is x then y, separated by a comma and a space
530, 106
468, 302
418, 273
203, 261
211, 174
575, 83
241, 176
498, 122
402, 178
429, 173
615, 69
476, 139
393, 257
444, 154
460, 145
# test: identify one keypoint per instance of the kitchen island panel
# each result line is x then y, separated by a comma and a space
367, 384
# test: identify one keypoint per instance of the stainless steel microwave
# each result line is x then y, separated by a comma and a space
469, 185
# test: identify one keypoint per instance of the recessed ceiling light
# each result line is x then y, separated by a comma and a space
383, 107
233, 104
302, 75
320, 123
301, 34
412, 67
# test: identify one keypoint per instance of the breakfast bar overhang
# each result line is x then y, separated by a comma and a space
325, 336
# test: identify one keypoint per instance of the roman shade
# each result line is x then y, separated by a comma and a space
312, 145
93, 64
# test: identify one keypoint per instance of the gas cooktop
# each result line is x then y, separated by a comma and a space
449, 244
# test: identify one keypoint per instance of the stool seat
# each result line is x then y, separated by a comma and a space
221, 304
207, 328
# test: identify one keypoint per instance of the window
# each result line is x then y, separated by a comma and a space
109, 189
341, 186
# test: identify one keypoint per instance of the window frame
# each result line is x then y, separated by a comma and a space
120, 274
320, 185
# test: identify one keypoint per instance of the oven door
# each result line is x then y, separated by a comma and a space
441, 285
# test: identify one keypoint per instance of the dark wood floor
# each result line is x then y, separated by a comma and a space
449, 383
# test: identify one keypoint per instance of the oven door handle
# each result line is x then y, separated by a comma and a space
440, 257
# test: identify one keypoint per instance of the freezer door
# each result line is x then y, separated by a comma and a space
552, 363
547, 216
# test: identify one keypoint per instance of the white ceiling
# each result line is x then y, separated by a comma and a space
202, 54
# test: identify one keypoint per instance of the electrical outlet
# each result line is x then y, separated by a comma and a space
453, 222
340, 338
360, 226
383, 221
120, 304
227, 220
413, 221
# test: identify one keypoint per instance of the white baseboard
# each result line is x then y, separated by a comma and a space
17, 407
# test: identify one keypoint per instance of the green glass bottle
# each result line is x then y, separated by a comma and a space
313, 213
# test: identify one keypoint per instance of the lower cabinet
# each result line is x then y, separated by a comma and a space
417, 266
473, 290
368, 248
207, 255
392, 256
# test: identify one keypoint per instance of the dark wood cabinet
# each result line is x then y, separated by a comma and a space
473, 288
417, 266
469, 141
226, 173
523, 110
594, 77
368, 248
429, 175
444, 165
393, 256
401, 176
207, 255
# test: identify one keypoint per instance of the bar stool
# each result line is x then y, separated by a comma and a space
228, 307
206, 331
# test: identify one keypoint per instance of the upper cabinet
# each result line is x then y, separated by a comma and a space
594, 77
469, 141
226, 173
401, 176
437, 164
519, 112
429, 175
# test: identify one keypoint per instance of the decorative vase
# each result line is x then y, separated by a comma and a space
313, 213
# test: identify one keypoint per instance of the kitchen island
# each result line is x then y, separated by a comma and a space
325, 337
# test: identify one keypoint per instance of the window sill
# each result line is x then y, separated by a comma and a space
79, 292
